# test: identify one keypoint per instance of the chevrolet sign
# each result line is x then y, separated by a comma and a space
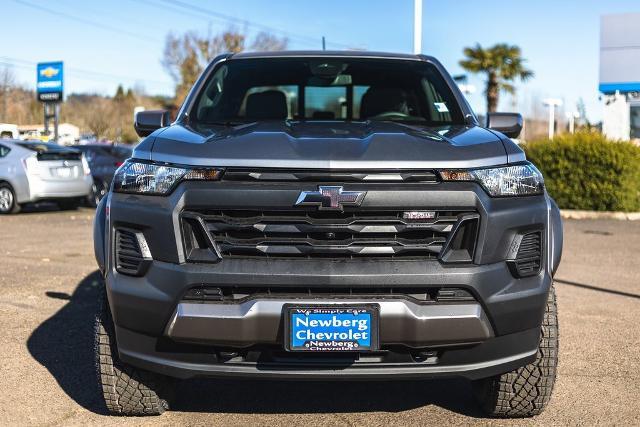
50, 83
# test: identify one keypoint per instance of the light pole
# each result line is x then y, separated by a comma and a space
572, 116
417, 26
552, 103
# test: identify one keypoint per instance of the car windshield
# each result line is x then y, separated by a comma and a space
307, 88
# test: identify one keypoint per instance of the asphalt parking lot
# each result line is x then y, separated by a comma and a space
48, 290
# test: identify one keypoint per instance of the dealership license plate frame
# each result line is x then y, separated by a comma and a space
372, 309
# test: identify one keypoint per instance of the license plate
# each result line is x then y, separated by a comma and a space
331, 328
62, 172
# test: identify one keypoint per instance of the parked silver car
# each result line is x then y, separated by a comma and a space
32, 171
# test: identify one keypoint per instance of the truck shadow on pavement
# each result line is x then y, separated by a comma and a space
597, 288
63, 344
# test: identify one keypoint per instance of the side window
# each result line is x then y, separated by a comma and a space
325, 102
4, 151
212, 94
635, 121
290, 93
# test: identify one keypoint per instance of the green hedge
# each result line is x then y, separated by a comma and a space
588, 171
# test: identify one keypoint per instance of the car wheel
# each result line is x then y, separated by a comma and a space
8, 203
525, 391
126, 390
98, 191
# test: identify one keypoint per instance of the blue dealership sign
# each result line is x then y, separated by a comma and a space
50, 82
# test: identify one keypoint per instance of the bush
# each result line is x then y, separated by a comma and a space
588, 171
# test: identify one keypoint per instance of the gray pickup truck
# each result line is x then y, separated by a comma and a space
327, 215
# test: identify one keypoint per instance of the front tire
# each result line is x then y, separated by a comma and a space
526, 391
126, 390
8, 203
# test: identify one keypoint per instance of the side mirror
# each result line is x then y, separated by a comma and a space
147, 121
509, 124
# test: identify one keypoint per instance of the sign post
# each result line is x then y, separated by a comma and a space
49, 88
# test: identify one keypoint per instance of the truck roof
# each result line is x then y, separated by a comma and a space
330, 53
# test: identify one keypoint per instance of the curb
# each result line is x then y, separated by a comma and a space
577, 214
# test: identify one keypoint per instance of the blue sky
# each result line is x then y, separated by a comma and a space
121, 41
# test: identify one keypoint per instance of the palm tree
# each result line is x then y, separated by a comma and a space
501, 63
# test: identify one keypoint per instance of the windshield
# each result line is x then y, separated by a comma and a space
48, 151
319, 88
43, 147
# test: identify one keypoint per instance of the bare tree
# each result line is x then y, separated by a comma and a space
20, 105
186, 56
265, 42
7, 82
98, 117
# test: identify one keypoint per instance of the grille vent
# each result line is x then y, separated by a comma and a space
132, 253
528, 260
236, 294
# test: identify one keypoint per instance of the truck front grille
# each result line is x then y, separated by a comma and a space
317, 234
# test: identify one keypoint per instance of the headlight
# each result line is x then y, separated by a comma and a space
517, 180
149, 178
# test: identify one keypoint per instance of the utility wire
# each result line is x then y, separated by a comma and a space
101, 13
228, 18
87, 21
22, 63
184, 8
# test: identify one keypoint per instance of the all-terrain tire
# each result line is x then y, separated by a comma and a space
126, 390
526, 391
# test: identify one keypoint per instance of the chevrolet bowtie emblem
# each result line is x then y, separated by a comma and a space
330, 197
49, 72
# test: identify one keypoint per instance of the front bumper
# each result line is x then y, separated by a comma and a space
258, 321
159, 331
492, 357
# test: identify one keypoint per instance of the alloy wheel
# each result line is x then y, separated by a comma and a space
6, 199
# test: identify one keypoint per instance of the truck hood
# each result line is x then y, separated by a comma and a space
327, 145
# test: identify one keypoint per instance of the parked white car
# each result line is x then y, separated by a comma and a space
32, 171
